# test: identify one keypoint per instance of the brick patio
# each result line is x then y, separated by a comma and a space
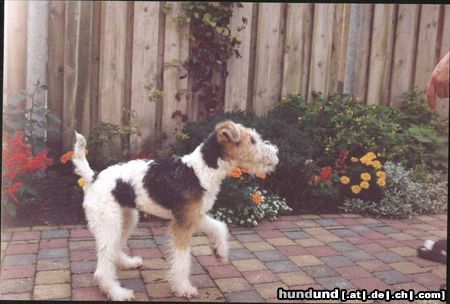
295, 252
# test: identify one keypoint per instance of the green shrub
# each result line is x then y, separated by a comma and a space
404, 197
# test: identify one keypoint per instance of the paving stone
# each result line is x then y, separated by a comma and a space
297, 235
242, 254
128, 274
407, 267
135, 284
16, 296
344, 232
392, 277
305, 260
159, 290
244, 296
141, 243
371, 248
88, 294
386, 229
269, 290
16, 229
309, 242
53, 243
353, 272
357, 255
233, 284
83, 267
373, 265
333, 282
328, 238
369, 284
306, 224
53, 264
197, 240
249, 265
235, 244
389, 257
260, 276
347, 221
83, 280
25, 235
202, 281
208, 260
84, 255
316, 231
208, 295
319, 271
359, 228
5, 236
268, 234
157, 263
147, 253
249, 238
76, 244
19, 259
55, 234
427, 279
337, 261
15, 248
295, 278
342, 246
281, 241
404, 251
282, 266
322, 251
196, 268
53, 253
223, 271
292, 250
357, 240
269, 256
154, 276
201, 250
17, 272
81, 233
52, 277
258, 246
327, 222
16, 286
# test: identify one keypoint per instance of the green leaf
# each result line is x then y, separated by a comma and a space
11, 209
422, 139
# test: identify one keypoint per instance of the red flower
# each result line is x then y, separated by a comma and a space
325, 173
11, 190
343, 154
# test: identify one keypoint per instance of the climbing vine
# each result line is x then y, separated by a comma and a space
211, 46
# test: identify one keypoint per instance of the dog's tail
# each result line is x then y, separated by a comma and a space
82, 167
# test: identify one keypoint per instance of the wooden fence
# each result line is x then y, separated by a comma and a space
105, 58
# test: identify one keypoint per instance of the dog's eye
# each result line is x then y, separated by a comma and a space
252, 140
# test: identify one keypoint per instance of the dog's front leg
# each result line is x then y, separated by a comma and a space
181, 231
217, 233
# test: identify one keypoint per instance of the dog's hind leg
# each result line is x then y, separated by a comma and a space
181, 229
130, 220
107, 233
217, 233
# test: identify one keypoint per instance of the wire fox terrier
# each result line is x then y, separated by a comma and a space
182, 189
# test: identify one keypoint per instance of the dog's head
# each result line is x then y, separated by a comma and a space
245, 148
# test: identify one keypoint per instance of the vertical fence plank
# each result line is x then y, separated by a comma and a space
15, 46
338, 48
321, 51
72, 23
426, 45
358, 50
297, 48
144, 71
176, 47
269, 56
237, 82
55, 69
404, 51
381, 54
95, 63
442, 104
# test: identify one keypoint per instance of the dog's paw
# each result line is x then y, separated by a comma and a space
122, 294
187, 291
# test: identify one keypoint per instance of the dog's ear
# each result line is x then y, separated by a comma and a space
228, 132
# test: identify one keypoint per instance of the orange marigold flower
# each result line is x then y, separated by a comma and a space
236, 173
261, 175
66, 157
256, 198
245, 170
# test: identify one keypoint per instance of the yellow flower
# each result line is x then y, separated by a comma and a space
381, 182
344, 180
354, 159
364, 185
80, 182
365, 176
370, 156
376, 164
355, 189
381, 174
256, 198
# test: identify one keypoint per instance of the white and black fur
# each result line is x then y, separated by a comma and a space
182, 189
